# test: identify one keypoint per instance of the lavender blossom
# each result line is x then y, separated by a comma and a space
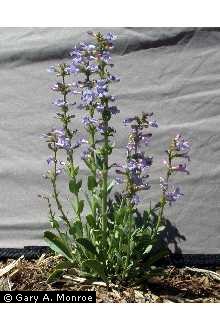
129, 120
153, 123
110, 36
63, 142
86, 154
59, 103
181, 144
88, 96
50, 160
173, 196
114, 110
135, 199
89, 120
105, 57
119, 180
180, 168
52, 69
79, 142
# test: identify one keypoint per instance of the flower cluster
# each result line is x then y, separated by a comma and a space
179, 148
93, 60
134, 173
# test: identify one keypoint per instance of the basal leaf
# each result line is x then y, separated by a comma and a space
57, 245
87, 244
96, 267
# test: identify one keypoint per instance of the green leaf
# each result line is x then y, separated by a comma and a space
74, 186
91, 220
76, 229
156, 257
55, 275
96, 267
80, 206
161, 228
65, 264
97, 234
148, 249
99, 162
87, 244
58, 245
54, 223
111, 185
91, 182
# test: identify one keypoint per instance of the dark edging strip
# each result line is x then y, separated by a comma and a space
178, 260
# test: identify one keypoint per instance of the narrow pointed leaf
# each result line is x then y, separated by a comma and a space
87, 245
57, 245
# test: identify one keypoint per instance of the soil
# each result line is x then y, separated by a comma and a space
174, 285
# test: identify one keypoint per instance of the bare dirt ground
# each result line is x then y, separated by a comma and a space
175, 285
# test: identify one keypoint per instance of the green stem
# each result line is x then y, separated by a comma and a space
65, 122
55, 192
163, 198
105, 184
129, 235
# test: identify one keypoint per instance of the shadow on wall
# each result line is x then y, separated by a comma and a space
171, 237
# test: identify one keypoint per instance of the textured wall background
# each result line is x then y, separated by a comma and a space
173, 72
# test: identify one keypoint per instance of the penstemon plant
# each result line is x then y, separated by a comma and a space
105, 235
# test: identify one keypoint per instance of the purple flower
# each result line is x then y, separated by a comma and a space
153, 123
88, 96
129, 120
180, 168
88, 121
58, 171
58, 132
59, 103
131, 146
50, 160
73, 68
56, 87
79, 143
135, 199
89, 47
100, 107
144, 162
92, 67
181, 144
51, 69
85, 154
114, 110
119, 180
110, 36
145, 138
105, 57
173, 196
111, 98
114, 78
139, 164
102, 87
63, 142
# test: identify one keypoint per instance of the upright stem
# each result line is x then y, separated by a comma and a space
129, 234
163, 199
55, 192
65, 123
105, 183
